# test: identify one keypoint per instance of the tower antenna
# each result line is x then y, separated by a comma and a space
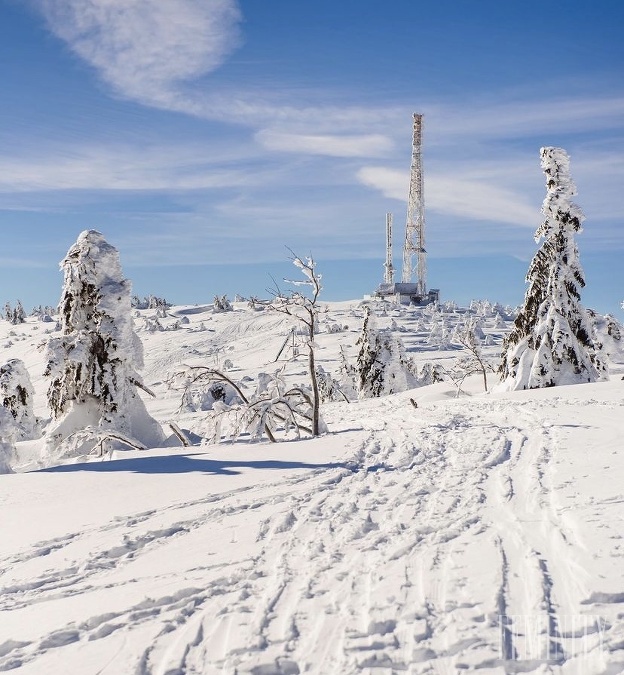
414, 248
389, 273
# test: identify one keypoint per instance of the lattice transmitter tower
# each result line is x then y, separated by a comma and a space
408, 290
414, 249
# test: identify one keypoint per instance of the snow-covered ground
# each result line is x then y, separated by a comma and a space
481, 533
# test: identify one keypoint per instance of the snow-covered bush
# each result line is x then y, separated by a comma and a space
430, 373
7, 433
552, 340
329, 387
273, 408
149, 302
6, 455
201, 393
93, 366
347, 377
44, 313
222, 304
484, 308
152, 324
14, 316
16, 396
610, 334
334, 327
256, 304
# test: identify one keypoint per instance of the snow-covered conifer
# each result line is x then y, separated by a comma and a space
19, 315
439, 334
16, 396
430, 373
383, 367
552, 341
499, 322
93, 365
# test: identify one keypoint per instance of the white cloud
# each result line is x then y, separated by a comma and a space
122, 168
145, 48
478, 200
354, 145
391, 183
518, 117
462, 196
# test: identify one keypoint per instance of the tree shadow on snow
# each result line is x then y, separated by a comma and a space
186, 464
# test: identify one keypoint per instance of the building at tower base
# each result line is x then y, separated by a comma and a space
407, 294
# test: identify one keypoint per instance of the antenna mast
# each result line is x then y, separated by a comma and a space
389, 273
415, 225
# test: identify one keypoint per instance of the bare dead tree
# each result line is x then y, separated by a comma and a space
305, 309
474, 362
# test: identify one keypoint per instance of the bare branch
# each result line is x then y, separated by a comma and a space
140, 385
180, 434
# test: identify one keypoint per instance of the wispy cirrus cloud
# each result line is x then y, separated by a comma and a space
123, 167
461, 196
144, 49
351, 145
512, 115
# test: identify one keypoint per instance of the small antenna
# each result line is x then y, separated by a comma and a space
389, 273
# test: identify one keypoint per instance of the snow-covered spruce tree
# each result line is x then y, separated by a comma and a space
16, 396
93, 365
382, 365
551, 342
19, 315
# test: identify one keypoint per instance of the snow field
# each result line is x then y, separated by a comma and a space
392, 545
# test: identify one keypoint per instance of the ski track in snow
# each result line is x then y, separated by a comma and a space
456, 501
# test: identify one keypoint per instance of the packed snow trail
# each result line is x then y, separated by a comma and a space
453, 537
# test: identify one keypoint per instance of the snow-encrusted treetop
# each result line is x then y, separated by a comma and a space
558, 208
96, 296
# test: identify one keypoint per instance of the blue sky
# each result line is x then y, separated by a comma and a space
203, 136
